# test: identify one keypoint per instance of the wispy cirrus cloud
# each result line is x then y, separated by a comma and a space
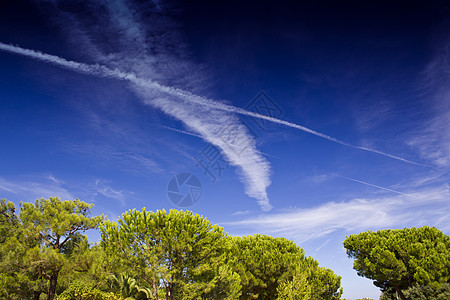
103, 188
30, 189
429, 206
150, 47
151, 50
432, 139
125, 153
139, 43
370, 116
207, 119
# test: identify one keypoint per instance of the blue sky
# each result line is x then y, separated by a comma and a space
108, 100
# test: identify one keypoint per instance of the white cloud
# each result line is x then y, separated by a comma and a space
429, 206
45, 186
224, 131
57, 181
432, 139
101, 187
208, 119
242, 212
319, 178
32, 189
146, 53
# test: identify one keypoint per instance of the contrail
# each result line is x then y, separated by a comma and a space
103, 71
377, 186
182, 131
201, 137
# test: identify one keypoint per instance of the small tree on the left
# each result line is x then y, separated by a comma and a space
44, 229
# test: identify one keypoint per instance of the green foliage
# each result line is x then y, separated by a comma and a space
417, 292
86, 291
179, 251
262, 262
18, 279
227, 285
85, 264
428, 292
181, 255
311, 282
55, 222
8, 220
128, 288
399, 258
43, 241
389, 294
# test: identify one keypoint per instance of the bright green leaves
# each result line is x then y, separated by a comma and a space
128, 287
262, 262
87, 291
8, 220
399, 258
180, 249
44, 236
276, 268
152, 255
311, 282
55, 221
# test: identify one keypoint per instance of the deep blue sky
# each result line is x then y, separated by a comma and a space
369, 78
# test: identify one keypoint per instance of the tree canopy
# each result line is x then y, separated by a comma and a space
400, 258
262, 262
38, 249
182, 250
181, 255
311, 282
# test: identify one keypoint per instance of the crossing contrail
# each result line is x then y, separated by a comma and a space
201, 137
182, 131
103, 71
377, 186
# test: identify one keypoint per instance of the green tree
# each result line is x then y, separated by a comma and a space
84, 264
311, 282
420, 292
54, 224
389, 294
8, 220
179, 252
263, 262
128, 287
227, 284
17, 278
399, 258
87, 291
428, 292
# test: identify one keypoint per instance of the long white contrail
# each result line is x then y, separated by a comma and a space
377, 186
103, 71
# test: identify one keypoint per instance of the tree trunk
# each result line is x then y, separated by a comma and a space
52, 287
400, 293
172, 289
37, 295
155, 290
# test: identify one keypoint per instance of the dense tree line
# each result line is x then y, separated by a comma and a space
181, 255
146, 255
409, 263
